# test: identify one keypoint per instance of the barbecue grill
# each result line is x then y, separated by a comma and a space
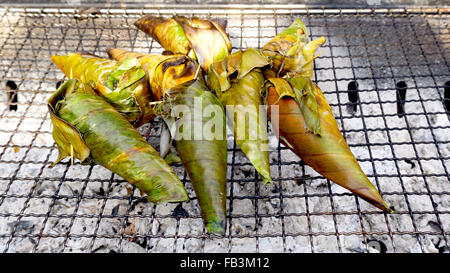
384, 70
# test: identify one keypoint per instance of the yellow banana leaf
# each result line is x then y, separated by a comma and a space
121, 84
203, 40
291, 52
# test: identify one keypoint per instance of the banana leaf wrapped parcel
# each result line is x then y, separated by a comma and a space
176, 81
86, 127
123, 85
306, 125
237, 80
305, 122
203, 40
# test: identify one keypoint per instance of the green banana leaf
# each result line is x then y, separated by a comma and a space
120, 84
205, 157
237, 80
167, 32
86, 127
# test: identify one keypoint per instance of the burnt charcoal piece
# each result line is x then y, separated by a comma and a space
447, 96
378, 245
401, 95
434, 225
179, 211
413, 165
58, 84
115, 210
353, 96
11, 88
101, 192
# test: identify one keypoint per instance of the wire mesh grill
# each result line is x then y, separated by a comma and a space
370, 58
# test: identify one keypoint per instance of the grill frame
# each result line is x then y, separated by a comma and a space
79, 31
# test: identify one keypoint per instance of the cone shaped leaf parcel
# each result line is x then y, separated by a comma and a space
86, 127
237, 80
325, 150
176, 81
305, 122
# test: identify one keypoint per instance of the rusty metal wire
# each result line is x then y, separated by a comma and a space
368, 53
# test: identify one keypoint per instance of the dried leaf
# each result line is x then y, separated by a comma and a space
129, 191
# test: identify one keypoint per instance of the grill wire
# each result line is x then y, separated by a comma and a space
89, 209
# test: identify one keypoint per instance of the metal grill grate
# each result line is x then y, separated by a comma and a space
370, 58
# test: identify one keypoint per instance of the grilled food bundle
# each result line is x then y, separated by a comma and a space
197, 87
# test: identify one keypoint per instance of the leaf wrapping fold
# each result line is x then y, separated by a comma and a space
203, 40
304, 94
207, 38
121, 84
167, 32
301, 89
67, 137
163, 72
291, 52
